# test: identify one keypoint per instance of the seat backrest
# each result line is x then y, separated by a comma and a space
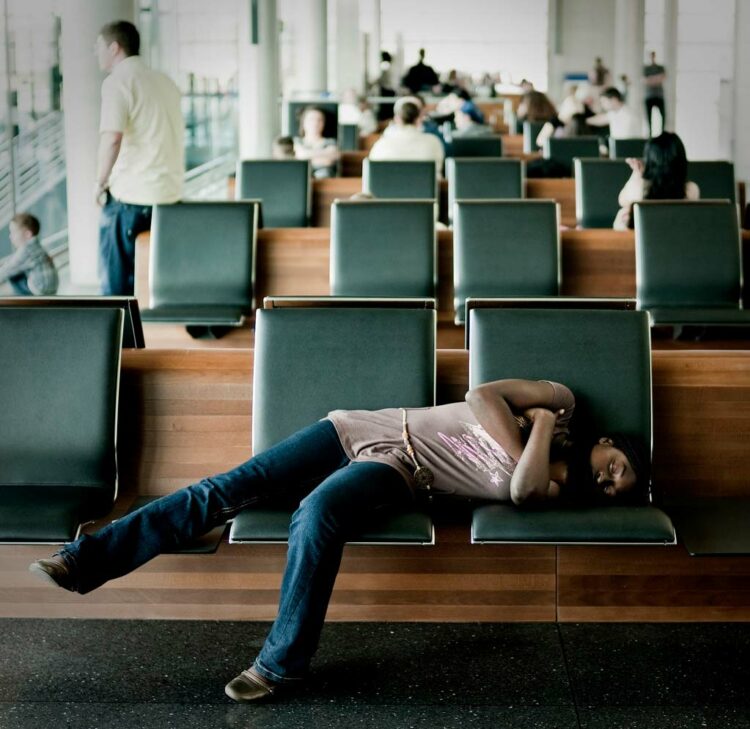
283, 187
603, 356
348, 137
565, 149
530, 133
383, 248
715, 178
314, 360
483, 178
59, 378
505, 248
487, 146
687, 254
203, 253
409, 180
598, 185
624, 148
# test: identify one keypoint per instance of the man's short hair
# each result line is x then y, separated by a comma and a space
612, 93
123, 33
408, 112
27, 221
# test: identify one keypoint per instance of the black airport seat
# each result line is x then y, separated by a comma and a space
282, 185
394, 180
598, 183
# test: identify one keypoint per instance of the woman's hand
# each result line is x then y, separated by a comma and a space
635, 164
538, 413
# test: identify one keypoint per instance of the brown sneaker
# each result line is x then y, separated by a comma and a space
250, 686
56, 571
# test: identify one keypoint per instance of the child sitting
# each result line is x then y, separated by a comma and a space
29, 269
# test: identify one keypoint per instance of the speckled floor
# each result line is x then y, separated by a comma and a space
98, 674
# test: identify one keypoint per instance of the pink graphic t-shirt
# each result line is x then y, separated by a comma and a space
447, 439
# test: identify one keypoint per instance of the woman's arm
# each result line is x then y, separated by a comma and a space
530, 480
494, 405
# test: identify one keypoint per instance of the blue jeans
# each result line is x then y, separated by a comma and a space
338, 499
20, 284
119, 225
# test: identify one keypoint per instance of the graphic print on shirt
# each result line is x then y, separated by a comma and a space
475, 448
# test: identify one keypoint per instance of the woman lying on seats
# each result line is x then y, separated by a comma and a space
508, 441
660, 175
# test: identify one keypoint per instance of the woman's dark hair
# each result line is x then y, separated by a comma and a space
665, 167
580, 489
538, 107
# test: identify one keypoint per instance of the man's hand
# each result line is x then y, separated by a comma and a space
100, 193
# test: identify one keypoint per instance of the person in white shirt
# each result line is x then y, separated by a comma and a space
404, 140
623, 122
141, 151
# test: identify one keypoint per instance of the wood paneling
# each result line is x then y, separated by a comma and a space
186, 414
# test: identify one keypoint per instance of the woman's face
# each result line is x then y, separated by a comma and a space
612, 472
313, 124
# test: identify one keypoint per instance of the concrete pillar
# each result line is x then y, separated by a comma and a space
310, 20
741, 138
670, 62
348, 47
258, 78
628, 51
81, 21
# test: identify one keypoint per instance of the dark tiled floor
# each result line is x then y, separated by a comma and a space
162, 674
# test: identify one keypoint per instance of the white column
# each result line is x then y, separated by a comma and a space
310, 20
741, 141
258, 78
81, 22
670, 62
628, 51
348, 48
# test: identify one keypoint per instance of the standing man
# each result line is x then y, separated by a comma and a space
420, 76
653, 78
141, 151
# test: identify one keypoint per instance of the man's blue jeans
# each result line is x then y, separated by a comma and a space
338, 499
119, 225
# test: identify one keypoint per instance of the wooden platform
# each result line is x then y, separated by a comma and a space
186, 414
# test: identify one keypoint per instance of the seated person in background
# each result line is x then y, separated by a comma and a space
469, 123
323, 152
403, 140
536, 107
622, 121
29, 269
508, 441
660, 175
354, 109
283, 148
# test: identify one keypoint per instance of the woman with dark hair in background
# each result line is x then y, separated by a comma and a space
508, 441
660, 175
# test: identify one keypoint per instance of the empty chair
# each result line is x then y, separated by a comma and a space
612, 386
688, 262
504, 248
530, 133
714, 178
309, 361
283, 187
400, 180
202, 263
383, 248
483, 178
59, 375
624, 148
598, 185
564, 150
486, 146
348, 137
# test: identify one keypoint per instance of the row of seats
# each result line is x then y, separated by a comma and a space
688, 257
309, 358
285, 189
617, 148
